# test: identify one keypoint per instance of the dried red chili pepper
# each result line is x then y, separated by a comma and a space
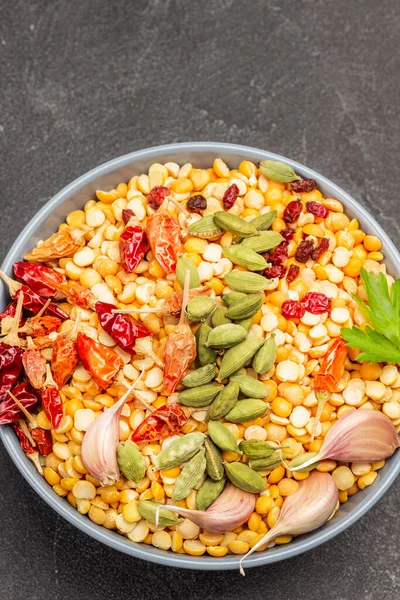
9, 310
34, 364
132, 245
293, 309
196, 203
127, 214
322, 247
9, 410
31, 301
180, 347
61, 244
317, 209
122, 328
12, 337
292, 211
293, 273
304, 251
329, 375
10, 368
41, 279
277, 255
163, 233
27, 443
43, 440
229, 198
78, 295
102, 363
65, 356
157, 196
40, 326
303, 185
317, 303
51, 400
162, 423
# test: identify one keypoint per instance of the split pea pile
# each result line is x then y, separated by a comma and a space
300, 345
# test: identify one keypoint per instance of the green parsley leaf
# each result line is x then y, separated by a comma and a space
376, 348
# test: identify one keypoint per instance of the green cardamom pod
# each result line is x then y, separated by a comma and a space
263, 242
246, 257
301, 459
262, 222
214, 466
208, 493
199, 307
204, 355
246, 307
130, 462
224, 402
244, 477
226, 336
247, 410
234, 224
180, 450
199, 377
189, 477
182, 266
219, 317
265, 358
250, 283
222, 437
250, 387
147, 509
237, 357
268, 463
232, 297
246, 323
278, 171
205, 228
200, 396
256, 448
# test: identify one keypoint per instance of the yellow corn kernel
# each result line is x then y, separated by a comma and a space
378, 256
106, 266
254, 522
320, 272
273, 195
273, 516
199, 178
193, 244
283, 539
281, 407
249, 212
313, 229
229, 456
358, 236
156, 270
238, 547
372, 243
221, 169
353, 268
264, 505
76, 218
130, 512
43, 421
51, 476
59, 490
106, 197
157, 491
276, 474
314, 196
176, 541
195, 258
217, 551
247, 168
208, 538
367, 479
216, 285
182, 185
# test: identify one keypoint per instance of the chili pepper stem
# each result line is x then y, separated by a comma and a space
322, 397
44, 308
185, 299
13, 286
136, 393
22, 408
49, 379
26, 431
35, 459
179, 207
129, 311
12, 337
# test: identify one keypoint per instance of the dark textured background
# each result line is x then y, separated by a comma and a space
85, 81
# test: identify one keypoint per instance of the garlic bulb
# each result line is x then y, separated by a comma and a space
230, 510
99, 445
306, 510
359, 436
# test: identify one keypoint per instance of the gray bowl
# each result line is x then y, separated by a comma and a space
107, 176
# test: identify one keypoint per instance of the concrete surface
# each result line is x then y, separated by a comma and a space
82, 82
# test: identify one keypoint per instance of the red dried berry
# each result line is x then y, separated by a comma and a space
293, 273
275, 271
322, 247
292, 211
229, 198
293, 309
277, 255
196, 203
127, 214
157, 196
317, 209
317, 303
304, 251
287, 234
303, 185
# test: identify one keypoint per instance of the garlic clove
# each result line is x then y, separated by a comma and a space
230, 510
99, 445
309, 508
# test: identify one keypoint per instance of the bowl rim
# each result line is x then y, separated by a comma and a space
111, 538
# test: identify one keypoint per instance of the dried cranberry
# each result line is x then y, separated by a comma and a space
317, 209
196, 203
287, 234
127, 214
293, 309
229, 198
157, 196
317, 303
292, 211
322, 247
275, 271
304, 251
303, 185
277, 255
293, 273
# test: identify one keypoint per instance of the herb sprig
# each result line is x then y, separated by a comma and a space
381, 344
